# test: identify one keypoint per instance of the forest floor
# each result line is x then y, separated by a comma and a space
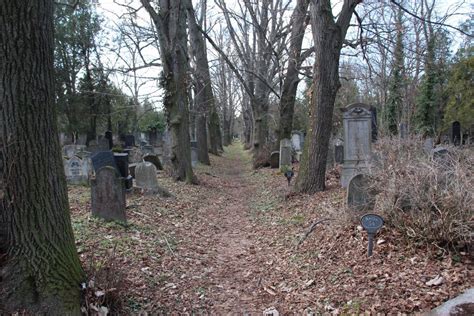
230, 245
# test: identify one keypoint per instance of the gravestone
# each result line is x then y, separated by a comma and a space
135, 154
428, 145
145, 177
166, 147
154, 160
339, 153
129, 140
357, 121
108, 195
285, 154
359, 198
374, 131
109, 137
121, 160
275, 159
76, 171
456, 133
131, 169
103, 159
194, 156
403, 130
297, 140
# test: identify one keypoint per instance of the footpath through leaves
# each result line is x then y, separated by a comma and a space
231, 245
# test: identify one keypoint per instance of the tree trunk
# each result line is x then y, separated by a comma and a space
171, 31
290, 83
328, 36
42, 273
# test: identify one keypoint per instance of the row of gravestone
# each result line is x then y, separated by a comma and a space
108, 187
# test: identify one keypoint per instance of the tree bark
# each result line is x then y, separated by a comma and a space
290, 83
328, 37
170, 22
42, 273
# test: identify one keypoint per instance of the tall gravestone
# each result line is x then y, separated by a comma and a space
108, 195
357, 121
285, 153
297, 140
456, 133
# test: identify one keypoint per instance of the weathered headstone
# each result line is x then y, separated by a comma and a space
285, 154
357, 120
129, 140
154, 160
456, 133
359, 197
108, 195
76, 170
194, 156
103, 159
297, 140
428, 145
275, 159
145, 177
403, 130
339, 153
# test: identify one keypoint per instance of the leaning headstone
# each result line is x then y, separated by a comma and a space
359, 198
285, 154
154, 160
103, 159
275, 159
145, 177
456, 133
108, 195
357, 121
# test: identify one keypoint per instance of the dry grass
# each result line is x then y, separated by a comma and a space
429, 200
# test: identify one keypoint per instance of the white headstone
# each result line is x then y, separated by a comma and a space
145, 176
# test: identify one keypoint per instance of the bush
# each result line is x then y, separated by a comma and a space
427, 199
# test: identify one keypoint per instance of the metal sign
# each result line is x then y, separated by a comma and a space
371, 223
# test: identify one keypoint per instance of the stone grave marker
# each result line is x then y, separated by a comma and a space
108, 195
131, 169
403, 130
456, 133
110, 139
75, 170
103, 159
129, 140
275, 159
297, 140
371, 223
357, 121
428, 145
154, 160
121, 160
339, 153
359, 198
145, 177
285, 154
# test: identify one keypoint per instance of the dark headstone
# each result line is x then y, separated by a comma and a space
154, 160
121, 160
373, 112
129, 140
108, 195
275, 159
103, 159
339, 153
359, 198
109, 137
456, 133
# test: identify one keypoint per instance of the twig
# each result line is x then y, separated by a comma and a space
311, 229
169, 246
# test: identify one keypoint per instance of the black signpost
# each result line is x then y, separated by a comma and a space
371, 223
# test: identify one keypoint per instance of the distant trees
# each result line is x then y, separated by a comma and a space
42, 273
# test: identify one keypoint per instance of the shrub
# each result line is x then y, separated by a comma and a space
427, 199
